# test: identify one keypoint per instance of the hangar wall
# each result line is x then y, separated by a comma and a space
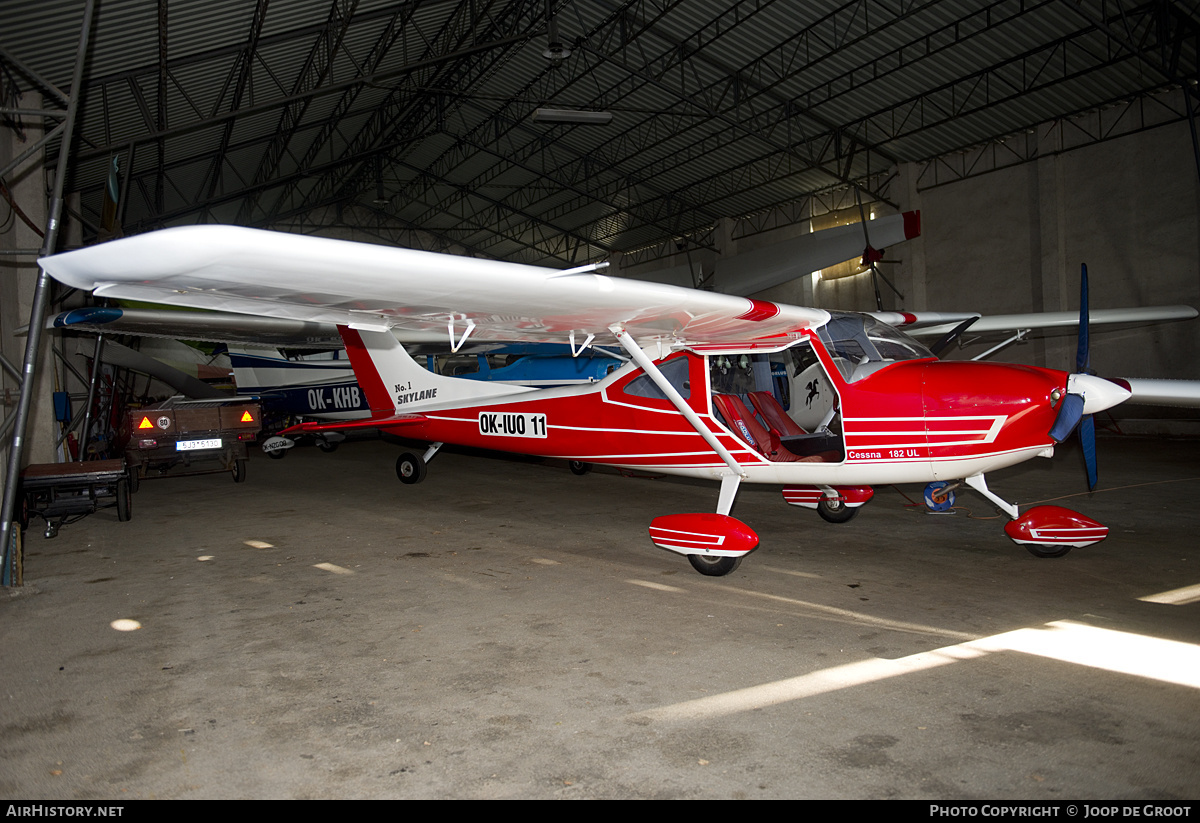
1013, 241
18, 276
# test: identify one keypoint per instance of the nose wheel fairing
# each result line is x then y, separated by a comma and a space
1046, 531
1051, 531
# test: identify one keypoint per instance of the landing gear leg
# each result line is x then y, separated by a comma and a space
711, 565
729, 488
979, 484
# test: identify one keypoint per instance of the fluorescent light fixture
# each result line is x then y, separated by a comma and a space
585, 118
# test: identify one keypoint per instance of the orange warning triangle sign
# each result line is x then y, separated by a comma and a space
145, 424
246, 418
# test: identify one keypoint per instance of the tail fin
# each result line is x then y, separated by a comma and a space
250, 369
393, 382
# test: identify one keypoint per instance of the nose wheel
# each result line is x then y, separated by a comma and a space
1047, 551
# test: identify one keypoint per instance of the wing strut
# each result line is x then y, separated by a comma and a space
647, 365
586, 343
454, 347
1016, 338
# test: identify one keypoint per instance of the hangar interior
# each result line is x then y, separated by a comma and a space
667, 138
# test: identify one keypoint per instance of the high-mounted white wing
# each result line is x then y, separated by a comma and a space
372, 287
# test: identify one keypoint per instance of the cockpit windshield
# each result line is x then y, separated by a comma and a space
861, 345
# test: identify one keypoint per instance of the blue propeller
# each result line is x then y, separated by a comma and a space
1071, 414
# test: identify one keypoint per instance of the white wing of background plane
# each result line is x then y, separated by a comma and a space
778, 263
1151, 392
370, 287
753, 271
944, 323
209, 326
217, 327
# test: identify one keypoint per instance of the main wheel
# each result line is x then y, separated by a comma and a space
1047, 551
239, 471
713, 566
835, 510
277, 455
124, 500
326, 445
410, 468
580, 467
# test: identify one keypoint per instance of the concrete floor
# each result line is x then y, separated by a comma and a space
506, 629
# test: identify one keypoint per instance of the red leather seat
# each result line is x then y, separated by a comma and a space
762, 440
773, 414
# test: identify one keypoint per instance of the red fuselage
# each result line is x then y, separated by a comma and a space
909, 421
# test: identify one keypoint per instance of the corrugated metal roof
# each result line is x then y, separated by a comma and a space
719, 108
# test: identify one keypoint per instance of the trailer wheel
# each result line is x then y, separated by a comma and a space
135, 479
124, 500
239, 471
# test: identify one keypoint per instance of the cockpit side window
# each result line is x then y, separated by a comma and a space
676, 372
739, 373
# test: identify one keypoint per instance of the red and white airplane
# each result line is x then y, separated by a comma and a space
874, 405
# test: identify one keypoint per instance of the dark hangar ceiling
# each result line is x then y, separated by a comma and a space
413, 121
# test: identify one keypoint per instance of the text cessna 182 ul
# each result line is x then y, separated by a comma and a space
694, 400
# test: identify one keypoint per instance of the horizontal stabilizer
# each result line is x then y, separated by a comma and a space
346, 425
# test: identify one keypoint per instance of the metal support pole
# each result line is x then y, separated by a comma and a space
41, 295
1191, 116
91, 396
